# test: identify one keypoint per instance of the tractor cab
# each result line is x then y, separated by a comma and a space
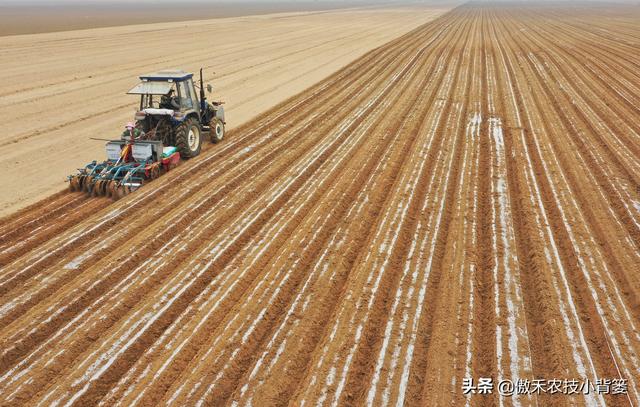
171, 111
172, 90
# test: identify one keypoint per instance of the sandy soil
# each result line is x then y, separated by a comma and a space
22, 17
461, 202
63, 88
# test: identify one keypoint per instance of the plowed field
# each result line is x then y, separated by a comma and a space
462, 202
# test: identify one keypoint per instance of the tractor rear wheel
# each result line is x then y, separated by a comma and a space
216, 131
189, 138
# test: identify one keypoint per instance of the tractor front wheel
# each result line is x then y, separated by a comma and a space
216, 130
189, 138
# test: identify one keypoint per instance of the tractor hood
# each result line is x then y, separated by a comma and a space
151, 88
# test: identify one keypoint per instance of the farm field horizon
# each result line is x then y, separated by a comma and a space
19, 17
460, 200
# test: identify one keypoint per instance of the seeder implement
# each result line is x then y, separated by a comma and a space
128, 167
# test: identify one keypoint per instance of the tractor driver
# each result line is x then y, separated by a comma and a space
131, 132
169, 101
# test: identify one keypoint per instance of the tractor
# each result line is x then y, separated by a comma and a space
170, 125
171, 112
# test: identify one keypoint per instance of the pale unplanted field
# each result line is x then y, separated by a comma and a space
62, 88
21, 18
461, 202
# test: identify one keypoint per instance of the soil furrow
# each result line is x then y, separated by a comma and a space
459, 203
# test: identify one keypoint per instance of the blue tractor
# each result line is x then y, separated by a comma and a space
171, 111
171, 125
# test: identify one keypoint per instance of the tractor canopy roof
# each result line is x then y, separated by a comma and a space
151, 88
169, 75
159, 83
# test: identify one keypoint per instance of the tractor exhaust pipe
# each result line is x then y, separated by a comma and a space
203, 103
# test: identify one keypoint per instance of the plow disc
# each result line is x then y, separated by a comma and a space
74, 184
99, 188
118, 178
87, 184
81, 182
111, 185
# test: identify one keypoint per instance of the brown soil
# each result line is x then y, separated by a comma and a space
463, 201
